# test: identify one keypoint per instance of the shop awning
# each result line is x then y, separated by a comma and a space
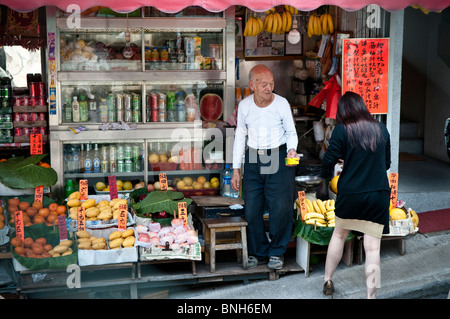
171, 6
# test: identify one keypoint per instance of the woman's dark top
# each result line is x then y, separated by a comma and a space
363, 171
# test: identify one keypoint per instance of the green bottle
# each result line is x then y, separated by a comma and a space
69, 188
84, 112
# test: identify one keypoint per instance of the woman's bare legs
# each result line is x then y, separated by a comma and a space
372, 264
335, 251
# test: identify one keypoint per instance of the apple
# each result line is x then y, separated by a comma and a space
150, 187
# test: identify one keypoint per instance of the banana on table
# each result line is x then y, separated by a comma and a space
319, 213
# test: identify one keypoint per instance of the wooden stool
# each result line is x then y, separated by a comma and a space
212, 226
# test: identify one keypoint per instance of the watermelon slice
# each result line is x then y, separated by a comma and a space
211, 107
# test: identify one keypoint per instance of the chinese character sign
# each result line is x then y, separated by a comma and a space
365, 71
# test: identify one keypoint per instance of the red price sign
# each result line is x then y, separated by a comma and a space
163, 181
83, 189
81, 218
112, 187
365, 71
35, 144
62, 227
182, 212
122, 219
39, 194
18, 219
393, 184
302, 203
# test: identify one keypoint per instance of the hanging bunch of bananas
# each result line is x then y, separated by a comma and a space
277, 23
320, 213
320, 25
291, 9
253, 27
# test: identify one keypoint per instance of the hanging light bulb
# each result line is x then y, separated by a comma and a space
294, 35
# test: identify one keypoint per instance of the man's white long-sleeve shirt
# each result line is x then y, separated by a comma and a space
267, 127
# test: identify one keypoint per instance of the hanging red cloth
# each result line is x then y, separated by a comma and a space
331, 92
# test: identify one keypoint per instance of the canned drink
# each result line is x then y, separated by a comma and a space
2, 119
154, 107
7, 117
128, 115
120, 166
33, 89
111, 107
18, 131
162, 107
127, 152
120, 152
40, 101
41, 116
41, 90
127, 166
26, 131
119, 107
17, 100
112, 159
24, 117
105, 166
127, 101
43, 130
17, 117
25, 100
6, 92
33, 101
136, 116
33, 117
35, 130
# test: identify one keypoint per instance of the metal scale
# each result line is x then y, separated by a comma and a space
308, 184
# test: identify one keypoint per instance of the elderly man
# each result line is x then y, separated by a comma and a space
265, 118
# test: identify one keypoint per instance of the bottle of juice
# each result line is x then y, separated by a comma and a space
164, 55
75, 110
154, 58
84, 113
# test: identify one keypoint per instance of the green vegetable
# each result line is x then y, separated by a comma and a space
22, 173
158, 201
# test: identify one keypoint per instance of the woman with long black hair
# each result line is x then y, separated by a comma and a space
362, 203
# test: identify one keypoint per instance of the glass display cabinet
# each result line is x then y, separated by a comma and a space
146, 85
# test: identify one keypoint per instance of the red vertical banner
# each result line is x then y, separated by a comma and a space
18, 221
393, 184
122, 220
365, 66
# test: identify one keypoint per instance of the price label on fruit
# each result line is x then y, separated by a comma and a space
393, 184
302, 203
182, 212
122, 219
81, 218
18, 219
83, 189
39, 194
62, 227
112, 187
35, 144
163, 181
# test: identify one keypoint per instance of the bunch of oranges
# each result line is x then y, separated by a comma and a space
35, 213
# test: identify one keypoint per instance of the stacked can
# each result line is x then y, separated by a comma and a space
136, 157
112, 115
127, 107
127, 162
155, 107
120, 158
136, 107
112, 159
162, 107
119, 107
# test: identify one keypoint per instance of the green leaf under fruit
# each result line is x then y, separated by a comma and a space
158, 201
22, 173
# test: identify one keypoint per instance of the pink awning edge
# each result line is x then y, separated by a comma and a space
172, 6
